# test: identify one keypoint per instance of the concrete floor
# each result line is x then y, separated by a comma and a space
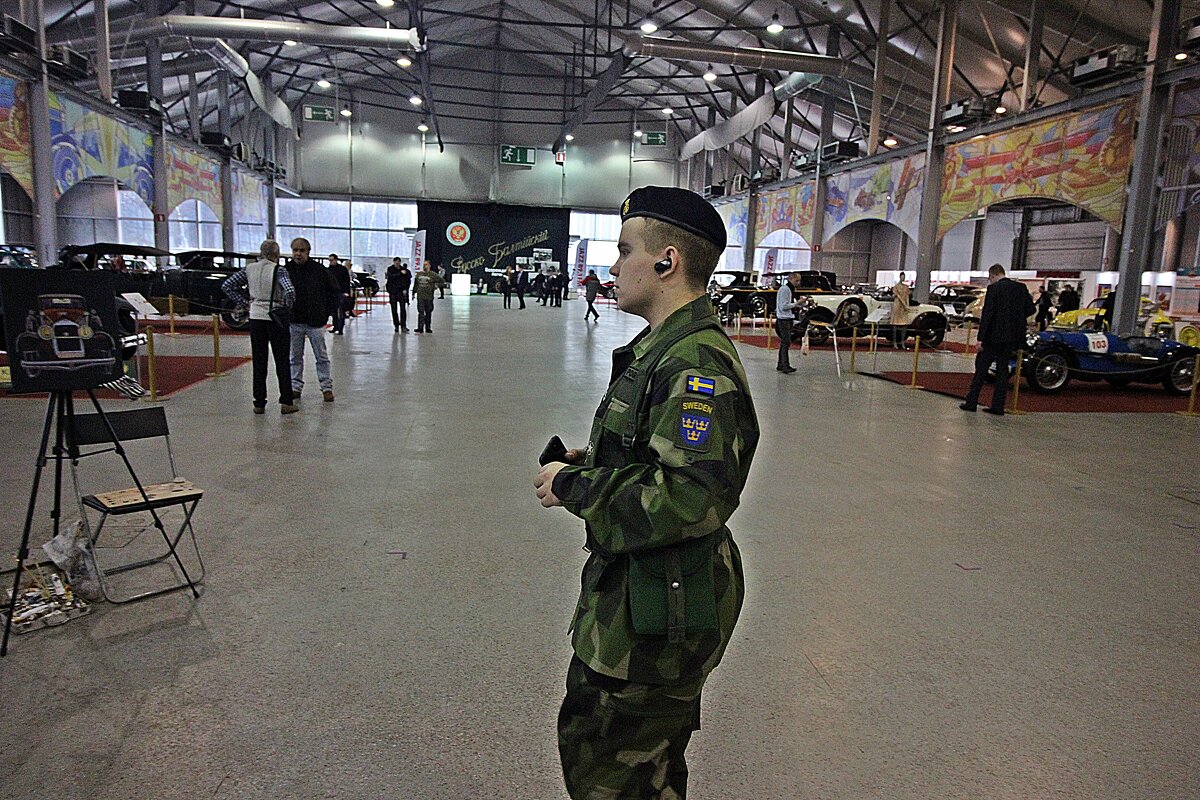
320, 663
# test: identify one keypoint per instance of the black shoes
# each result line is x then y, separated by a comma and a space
786, 370
967, 406
999, 412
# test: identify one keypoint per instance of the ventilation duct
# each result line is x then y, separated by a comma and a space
754, 58
752, 116
266, 30
267, 100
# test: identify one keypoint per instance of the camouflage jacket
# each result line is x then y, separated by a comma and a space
679, 479
426, 283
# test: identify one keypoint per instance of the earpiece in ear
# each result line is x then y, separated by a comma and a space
662, 266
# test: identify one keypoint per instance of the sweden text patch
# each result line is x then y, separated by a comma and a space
699, 385
693, 431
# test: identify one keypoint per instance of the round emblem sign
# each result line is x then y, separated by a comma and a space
457, 233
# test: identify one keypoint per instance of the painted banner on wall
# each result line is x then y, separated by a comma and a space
250, 197
87, 144
1082, 158
735, 214
791, 208
15, 155
890, 192
191, 176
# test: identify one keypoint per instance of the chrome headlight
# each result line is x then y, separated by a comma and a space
1032, 339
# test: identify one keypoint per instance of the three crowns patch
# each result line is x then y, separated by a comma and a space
694, 430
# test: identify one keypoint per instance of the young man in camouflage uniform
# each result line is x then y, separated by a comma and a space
670, 448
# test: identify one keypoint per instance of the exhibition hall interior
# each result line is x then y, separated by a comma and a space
350, 589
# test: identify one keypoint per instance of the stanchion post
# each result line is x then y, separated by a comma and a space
853, 348
916, 363
171, 313
874, 336
1191, 409
216, 373
1017, 386
151, 366
770, 330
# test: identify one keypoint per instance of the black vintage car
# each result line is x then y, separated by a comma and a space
734, 292
194, 276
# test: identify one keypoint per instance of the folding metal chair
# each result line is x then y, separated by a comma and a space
93, 431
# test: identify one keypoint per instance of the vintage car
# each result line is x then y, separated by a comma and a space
64, 334
1054, 358
365, 281
1084, 318
17, 257
955, 297
869, 313
734, 293
194, 276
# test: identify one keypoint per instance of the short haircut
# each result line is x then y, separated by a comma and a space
700, 256
995, 269
300, 239
269, 249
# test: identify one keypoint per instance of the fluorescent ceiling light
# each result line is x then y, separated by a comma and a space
648, 26
709, 75
324, 84
346, 111
1001, 110
775, 26
668, 111
890, 142
416, 100
637, 132
386, 3
1181, 56
570, 137
423, 127
404, 61
290, 42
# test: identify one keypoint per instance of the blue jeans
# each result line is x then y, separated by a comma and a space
316, 337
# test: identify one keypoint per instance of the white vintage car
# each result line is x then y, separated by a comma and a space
868, 313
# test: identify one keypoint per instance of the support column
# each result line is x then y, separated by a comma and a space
1033, 53
154, 87
877, 87
228, 232
103, 53
45, 212
929, 247
1142, 194
708, 155
828, 106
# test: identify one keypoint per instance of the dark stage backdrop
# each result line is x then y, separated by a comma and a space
484, 238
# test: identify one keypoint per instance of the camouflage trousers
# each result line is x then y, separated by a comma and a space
625, 741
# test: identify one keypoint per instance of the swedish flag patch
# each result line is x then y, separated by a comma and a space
699, 385
694, 430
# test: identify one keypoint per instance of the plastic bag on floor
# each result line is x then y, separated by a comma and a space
69, 552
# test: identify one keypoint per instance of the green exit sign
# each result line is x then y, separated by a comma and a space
520, 156
655, 138
319, 114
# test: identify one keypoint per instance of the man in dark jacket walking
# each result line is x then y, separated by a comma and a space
341, 278
397, 284
316, 299
1002, 326
522, 283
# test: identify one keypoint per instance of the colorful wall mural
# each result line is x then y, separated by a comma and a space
250, 197
890, 192
1082, 158
790, 208
191, 176
87, 144
735, 214
15, 155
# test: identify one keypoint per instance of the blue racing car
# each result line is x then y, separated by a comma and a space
1054, 358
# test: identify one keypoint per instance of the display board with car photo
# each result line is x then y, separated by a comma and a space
60, 329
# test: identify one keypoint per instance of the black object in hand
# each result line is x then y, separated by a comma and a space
555, 451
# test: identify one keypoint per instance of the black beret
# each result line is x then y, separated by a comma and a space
679, 207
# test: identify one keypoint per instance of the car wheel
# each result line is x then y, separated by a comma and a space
851, 314
1050, 374
932, 337
237, 318
610, 293
1180, 375
758, 307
